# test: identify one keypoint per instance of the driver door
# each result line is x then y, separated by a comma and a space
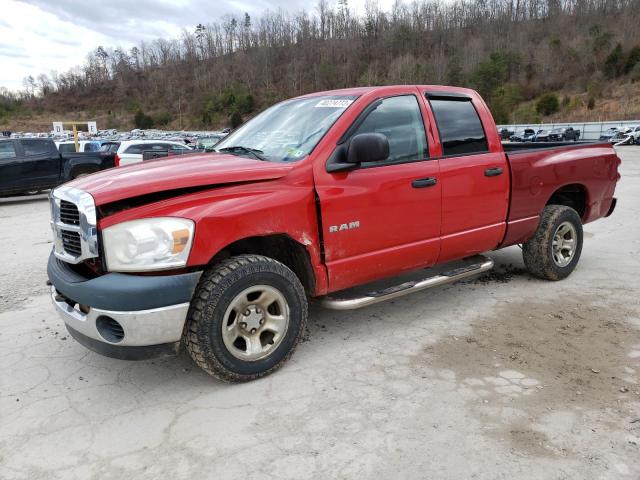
383, 218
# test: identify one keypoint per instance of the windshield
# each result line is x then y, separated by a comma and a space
288, 131
207, 142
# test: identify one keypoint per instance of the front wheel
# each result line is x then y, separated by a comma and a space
554, 250
247, 316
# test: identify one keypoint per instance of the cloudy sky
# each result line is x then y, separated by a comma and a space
38, 36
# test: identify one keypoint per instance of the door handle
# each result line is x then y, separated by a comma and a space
424, 182
493, 172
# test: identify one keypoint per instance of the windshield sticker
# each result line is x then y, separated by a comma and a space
333, 103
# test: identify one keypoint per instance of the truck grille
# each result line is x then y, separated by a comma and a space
69, 213
71, 242
73, 221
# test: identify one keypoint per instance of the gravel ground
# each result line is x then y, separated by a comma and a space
503, 376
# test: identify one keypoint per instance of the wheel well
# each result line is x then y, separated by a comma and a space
574, 196
280, 247
83, 169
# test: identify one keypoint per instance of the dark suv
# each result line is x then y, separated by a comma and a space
564, 134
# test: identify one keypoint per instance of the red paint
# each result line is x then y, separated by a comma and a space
400, 228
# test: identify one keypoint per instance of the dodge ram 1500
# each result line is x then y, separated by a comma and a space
350, 197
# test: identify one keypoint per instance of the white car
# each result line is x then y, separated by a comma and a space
131, 151
85, 146
635, 134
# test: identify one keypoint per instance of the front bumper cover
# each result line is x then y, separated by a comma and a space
150, 309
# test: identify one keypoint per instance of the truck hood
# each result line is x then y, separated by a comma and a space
176, 173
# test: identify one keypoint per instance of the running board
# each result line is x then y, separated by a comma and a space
441, 275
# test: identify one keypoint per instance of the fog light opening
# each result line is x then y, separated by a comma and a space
109, 329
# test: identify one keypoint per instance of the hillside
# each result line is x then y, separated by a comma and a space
533, 60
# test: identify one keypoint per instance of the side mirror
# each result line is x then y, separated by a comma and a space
368, 147
365, 147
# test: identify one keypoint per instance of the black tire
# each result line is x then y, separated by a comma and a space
217, 288
538, 253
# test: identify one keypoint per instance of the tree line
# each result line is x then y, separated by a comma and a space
512, 51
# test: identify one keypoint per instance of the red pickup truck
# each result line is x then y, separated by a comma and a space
324, 196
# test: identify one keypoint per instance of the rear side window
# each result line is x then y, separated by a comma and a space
91, 147
461, 131
109, 147
35, 147
7, 150
135, 149
178, 148
67, 148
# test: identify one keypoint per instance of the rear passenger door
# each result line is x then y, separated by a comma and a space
40, 165
474, 179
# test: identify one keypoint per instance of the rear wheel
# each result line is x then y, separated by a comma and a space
246, 318
554, 250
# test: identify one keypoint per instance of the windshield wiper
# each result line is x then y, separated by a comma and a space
240, 149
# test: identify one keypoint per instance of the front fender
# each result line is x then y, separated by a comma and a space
227, 214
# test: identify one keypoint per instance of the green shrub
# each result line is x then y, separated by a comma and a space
633, 60
236, 119
162, 118
548, 104
503, 101
615, 63
142, 120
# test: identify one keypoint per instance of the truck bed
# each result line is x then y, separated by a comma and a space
541, 170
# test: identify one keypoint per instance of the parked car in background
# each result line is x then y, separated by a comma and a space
505, 133
131, 151
207, 143
84, 145
525, 136
541, 136
29, 165
564, 134
219, 253
635, 134
621, 138
609, 133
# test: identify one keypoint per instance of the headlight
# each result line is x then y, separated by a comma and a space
148, 244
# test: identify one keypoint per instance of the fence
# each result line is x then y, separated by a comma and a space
588, 130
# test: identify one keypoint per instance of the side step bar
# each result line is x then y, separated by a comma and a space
457, 271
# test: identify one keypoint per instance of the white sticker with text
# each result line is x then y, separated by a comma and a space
333, 103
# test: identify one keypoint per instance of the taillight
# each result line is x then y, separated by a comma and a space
116, 160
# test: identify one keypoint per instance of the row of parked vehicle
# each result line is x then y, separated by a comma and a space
626, 136
33, 164
619, 136
561, 134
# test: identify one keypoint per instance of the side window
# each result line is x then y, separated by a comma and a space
461, 131
7, 150
35, 147
177, 148
400, 120
135, 149
157, 147
67, 148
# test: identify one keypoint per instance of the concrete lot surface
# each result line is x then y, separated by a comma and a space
503, 376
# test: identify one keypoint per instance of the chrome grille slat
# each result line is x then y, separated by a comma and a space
73, 220
69, 213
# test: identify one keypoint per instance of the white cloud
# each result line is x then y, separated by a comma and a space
38, 36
